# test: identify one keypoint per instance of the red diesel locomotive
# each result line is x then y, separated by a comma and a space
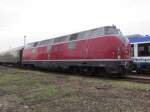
103, 48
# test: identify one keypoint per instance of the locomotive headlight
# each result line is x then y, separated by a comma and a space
118, 53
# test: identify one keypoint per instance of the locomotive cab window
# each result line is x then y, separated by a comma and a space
144, 49
110, 30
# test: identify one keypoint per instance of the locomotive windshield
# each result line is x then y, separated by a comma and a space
110, 30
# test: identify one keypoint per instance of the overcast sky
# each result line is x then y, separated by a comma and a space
42, 19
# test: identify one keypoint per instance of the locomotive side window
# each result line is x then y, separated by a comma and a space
45, 42
50, 41
81, 35
132, 50
60, 39
30, 45
35, 44
88, 34
144, 49
73, 37
97, 32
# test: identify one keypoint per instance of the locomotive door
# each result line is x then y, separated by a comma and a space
49, 47
34, 51
54, 53
85, 49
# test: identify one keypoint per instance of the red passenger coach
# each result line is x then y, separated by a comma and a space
102, 48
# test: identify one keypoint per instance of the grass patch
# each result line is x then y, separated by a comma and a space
41, 94
45, 91
19, 80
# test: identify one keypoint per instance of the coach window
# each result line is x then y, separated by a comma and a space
149, 49
132, 50
144, 49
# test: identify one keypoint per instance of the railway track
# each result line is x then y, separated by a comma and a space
139, 78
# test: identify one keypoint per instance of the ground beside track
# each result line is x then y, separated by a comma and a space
34, 91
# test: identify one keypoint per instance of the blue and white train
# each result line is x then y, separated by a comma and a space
140, 52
